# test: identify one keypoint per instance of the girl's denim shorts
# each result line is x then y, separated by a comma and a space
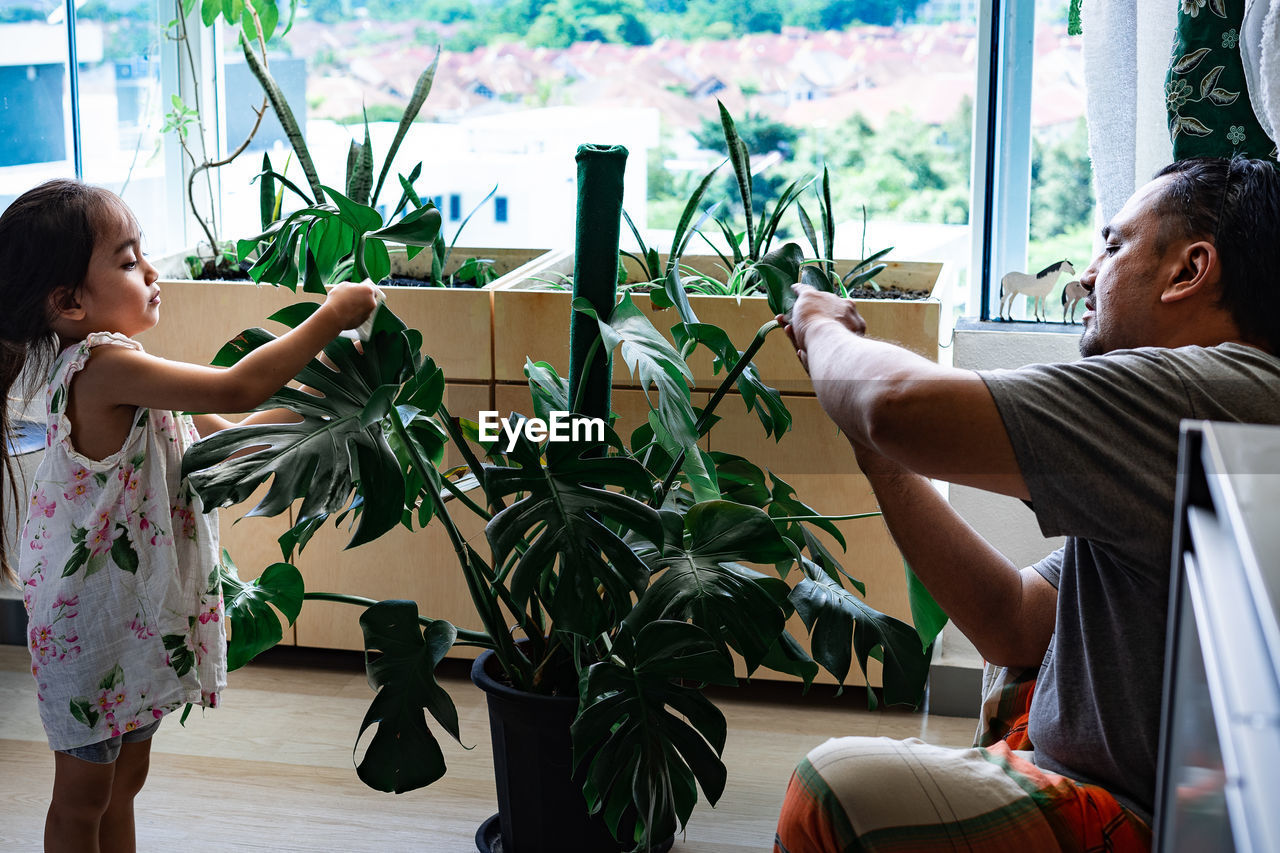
107, 751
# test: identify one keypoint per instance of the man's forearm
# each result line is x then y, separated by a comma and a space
854, 376
935, 420
1008, 614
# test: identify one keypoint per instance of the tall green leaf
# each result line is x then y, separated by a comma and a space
401, 660
420, 91
285, 115
740, 157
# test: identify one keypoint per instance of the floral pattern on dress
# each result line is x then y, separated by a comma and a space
113, 708
118, 565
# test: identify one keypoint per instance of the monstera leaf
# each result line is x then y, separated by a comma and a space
253, 625
338, 447
765, 401
702, 581
653, 361
561, 517
645, 731
401, 660
838, 619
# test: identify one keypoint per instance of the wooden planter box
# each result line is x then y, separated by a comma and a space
198, 317
531, 320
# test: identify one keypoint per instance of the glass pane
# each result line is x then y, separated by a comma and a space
122, 110
35, 104
880, 93
1062, 225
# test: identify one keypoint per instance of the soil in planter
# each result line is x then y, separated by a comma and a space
409, 281
856, 293
887, 293
224, 271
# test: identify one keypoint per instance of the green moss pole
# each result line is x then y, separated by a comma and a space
595, 271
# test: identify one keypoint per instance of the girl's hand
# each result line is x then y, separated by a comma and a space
351, 303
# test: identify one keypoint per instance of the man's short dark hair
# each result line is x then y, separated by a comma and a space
1236, 204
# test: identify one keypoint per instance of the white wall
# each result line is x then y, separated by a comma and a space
528, 154
1003, 521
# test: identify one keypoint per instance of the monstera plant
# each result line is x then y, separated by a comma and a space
624, 571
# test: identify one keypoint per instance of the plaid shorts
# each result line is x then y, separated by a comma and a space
876, 795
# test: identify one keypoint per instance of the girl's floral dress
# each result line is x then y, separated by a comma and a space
120, 575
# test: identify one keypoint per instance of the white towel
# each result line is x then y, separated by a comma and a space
1269, 68
1251, 32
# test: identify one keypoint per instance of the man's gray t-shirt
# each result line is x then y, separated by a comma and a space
1097, 443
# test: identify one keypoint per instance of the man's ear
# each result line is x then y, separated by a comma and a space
1197, 268
65, 305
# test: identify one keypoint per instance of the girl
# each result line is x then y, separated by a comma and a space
117, 560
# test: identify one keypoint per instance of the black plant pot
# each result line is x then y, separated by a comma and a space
540, 804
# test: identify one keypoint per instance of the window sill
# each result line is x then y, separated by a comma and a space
973, 324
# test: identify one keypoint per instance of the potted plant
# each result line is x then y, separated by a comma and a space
339, 235
720, 288
617, 576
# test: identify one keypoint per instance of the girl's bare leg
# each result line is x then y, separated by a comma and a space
81, 796
116, 831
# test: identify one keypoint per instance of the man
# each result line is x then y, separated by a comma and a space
1182, 321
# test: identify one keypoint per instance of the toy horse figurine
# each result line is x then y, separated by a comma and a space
1071, 296
1034, 287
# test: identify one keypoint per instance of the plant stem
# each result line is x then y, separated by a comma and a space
460, 441
591, 354
743, 361
825, 517
453, 489
466, 637
503, 646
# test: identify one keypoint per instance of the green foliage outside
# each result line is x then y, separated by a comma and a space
908, 171
558, 23
1062, 204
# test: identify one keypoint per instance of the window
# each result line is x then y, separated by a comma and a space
1034, 202
96, 114
889, 104
500, 208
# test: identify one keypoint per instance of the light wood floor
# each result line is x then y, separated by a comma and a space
272, 769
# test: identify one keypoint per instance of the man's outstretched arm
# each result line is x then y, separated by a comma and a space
937, 421
1007, 613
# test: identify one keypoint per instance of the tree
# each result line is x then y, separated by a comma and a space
1061, 184
760, 133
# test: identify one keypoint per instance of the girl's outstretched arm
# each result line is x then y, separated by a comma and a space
209, 424
117, 376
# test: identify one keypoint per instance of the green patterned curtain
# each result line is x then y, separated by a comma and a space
1209, 110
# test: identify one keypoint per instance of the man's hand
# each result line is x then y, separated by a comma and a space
814, 308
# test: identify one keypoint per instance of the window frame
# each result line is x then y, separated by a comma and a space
1000, 209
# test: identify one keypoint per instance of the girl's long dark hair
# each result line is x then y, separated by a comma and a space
46, 240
